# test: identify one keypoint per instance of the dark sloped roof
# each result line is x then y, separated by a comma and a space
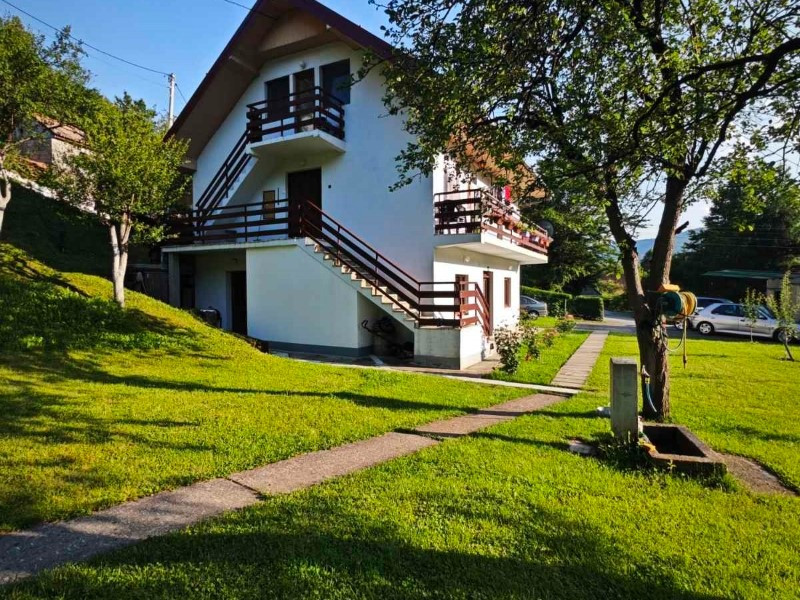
241, 59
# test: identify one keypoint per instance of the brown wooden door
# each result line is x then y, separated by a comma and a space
239, 302
303, 187
277, 92
488, 284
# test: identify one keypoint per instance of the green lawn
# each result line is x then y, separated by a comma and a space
99, 406
506, 513
543, 369
738, 396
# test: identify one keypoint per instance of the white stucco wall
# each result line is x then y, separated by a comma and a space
211, 281
294, 299
355, 184
450, 262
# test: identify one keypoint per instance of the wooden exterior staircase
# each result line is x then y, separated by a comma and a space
414, 303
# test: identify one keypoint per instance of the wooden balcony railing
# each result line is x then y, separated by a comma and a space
476, 211
238, 223
301, 111
436, 303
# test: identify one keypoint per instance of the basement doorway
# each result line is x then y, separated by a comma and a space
238, 301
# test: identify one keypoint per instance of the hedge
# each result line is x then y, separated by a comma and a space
588, 307
546, 295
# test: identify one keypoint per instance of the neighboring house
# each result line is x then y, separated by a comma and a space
53, 143
294, 236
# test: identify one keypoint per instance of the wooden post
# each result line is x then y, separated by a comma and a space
625, 399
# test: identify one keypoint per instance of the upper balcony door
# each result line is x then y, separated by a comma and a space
277, 92
304, 96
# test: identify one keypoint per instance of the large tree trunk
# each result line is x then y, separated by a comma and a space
119, 234
653, 346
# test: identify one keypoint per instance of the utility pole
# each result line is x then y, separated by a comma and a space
171, 113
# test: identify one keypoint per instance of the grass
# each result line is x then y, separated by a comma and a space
543, 369
506, 513
100, 405
738, 396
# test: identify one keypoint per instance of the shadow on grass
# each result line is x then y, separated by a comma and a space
55, 368
315, 548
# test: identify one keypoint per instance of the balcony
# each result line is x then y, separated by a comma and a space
476, 220
304, 122
255, 222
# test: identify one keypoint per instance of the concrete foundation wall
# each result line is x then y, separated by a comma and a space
294, 299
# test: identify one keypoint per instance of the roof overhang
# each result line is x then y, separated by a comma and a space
272, 28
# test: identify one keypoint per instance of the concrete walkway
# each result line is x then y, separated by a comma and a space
576, 370
25, 553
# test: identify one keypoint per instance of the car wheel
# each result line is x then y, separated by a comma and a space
679, 325
705, 328
532, 314
780, 336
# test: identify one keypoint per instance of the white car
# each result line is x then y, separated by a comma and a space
729, 318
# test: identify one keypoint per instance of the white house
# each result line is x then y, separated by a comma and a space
294, 236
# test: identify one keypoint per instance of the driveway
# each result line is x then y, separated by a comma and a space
619, 322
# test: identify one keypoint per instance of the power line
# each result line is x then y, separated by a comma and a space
82, 43
181, 93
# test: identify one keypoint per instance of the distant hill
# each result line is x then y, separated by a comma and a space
643, 246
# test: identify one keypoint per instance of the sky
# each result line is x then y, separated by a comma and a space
183, 37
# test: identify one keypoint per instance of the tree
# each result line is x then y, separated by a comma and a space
35, 80
634, 98
130, 176
785, 308
581, 252
754, 221
751, 303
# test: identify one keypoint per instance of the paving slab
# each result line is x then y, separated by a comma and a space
25, 553
466, 424
575, 372
313, 468
754, 476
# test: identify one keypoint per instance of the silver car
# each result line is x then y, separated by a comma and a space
532, 307
730, 318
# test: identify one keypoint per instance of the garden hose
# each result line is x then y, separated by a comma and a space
646, 391
680, 306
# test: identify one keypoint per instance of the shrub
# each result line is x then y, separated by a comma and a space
508, 341
530, 339
588, 307
565, 325
616, 301
549, 337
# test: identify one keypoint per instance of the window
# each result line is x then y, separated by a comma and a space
507, 292
728, 310
268, 198
336, 80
